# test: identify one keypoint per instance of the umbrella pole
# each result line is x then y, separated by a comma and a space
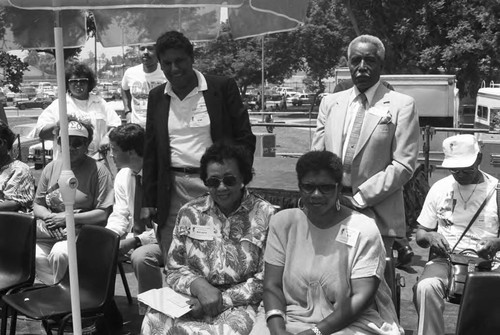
67, 181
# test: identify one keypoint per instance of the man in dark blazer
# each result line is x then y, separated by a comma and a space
184, 117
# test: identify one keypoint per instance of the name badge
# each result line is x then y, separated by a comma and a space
200, 120
205, 233
347, 236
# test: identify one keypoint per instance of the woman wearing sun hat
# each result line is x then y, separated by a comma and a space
93, 201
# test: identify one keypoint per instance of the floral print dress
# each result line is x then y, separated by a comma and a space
221, 259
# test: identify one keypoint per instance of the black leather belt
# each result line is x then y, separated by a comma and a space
186, 170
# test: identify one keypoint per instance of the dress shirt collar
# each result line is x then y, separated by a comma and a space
369, 93
202, 84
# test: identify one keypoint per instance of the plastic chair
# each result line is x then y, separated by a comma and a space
125, 282
480, 306
97, 252
17, 255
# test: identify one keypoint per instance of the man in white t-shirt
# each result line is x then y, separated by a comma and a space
137, 82
449, 207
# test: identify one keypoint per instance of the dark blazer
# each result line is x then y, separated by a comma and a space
228, 121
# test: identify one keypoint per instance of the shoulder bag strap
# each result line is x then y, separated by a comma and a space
474, 217
498, 208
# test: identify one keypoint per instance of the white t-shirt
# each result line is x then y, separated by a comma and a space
94, 110
448, 207
140, 83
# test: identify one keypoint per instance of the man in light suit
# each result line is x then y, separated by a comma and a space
375, 131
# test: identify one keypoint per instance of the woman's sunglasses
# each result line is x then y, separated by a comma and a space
214, 182
78, 81
75, 143
323, 188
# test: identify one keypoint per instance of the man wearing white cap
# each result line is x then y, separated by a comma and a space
449, 207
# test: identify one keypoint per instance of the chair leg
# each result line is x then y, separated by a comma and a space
125, 283
13, 322
5, 314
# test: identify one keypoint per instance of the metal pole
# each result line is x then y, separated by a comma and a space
67, 181
95, 54
262, 78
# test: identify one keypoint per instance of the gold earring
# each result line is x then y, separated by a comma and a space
300, 205
337, 205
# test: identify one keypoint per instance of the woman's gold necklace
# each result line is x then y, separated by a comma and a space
470, 196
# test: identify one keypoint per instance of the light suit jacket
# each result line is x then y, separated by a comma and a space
386, 153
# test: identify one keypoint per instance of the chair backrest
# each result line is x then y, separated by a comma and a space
97, 254
480, 306
17, 250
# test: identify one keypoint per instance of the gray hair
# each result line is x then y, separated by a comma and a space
371, 40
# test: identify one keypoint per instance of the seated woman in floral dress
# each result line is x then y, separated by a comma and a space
221, 267
17, 185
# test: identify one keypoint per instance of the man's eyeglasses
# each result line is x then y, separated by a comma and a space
469, 170
78, 81
75, 143
323, 188
214, 182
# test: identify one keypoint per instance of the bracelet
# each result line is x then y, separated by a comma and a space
275, 312
316, 330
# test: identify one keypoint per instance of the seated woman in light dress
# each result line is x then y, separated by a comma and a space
220, 268
324, 263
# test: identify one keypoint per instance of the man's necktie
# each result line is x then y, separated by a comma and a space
139, 225
356, 130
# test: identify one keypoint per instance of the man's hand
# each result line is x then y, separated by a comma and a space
126, 245
148, 213
56, 220
439, 243
196, 309
348, 201
488, 247
209, 297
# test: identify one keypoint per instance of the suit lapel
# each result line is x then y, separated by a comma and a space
371, 120
337, 121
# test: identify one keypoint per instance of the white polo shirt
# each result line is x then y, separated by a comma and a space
188, 125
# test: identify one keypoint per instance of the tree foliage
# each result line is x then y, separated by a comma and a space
13, 69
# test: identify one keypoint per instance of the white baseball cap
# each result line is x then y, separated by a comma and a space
460, 151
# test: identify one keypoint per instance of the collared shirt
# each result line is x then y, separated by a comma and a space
121, 221
354, 103
222, 259
189, 125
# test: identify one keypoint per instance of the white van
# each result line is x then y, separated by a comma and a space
488, 108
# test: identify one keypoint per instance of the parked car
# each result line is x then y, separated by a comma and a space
302, 99
34, 103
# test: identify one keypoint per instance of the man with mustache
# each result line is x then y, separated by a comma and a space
375, 131
137, 82
185, 116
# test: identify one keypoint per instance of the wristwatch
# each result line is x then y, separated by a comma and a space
138, 242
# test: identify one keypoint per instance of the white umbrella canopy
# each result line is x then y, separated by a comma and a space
28, 25
129, 22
